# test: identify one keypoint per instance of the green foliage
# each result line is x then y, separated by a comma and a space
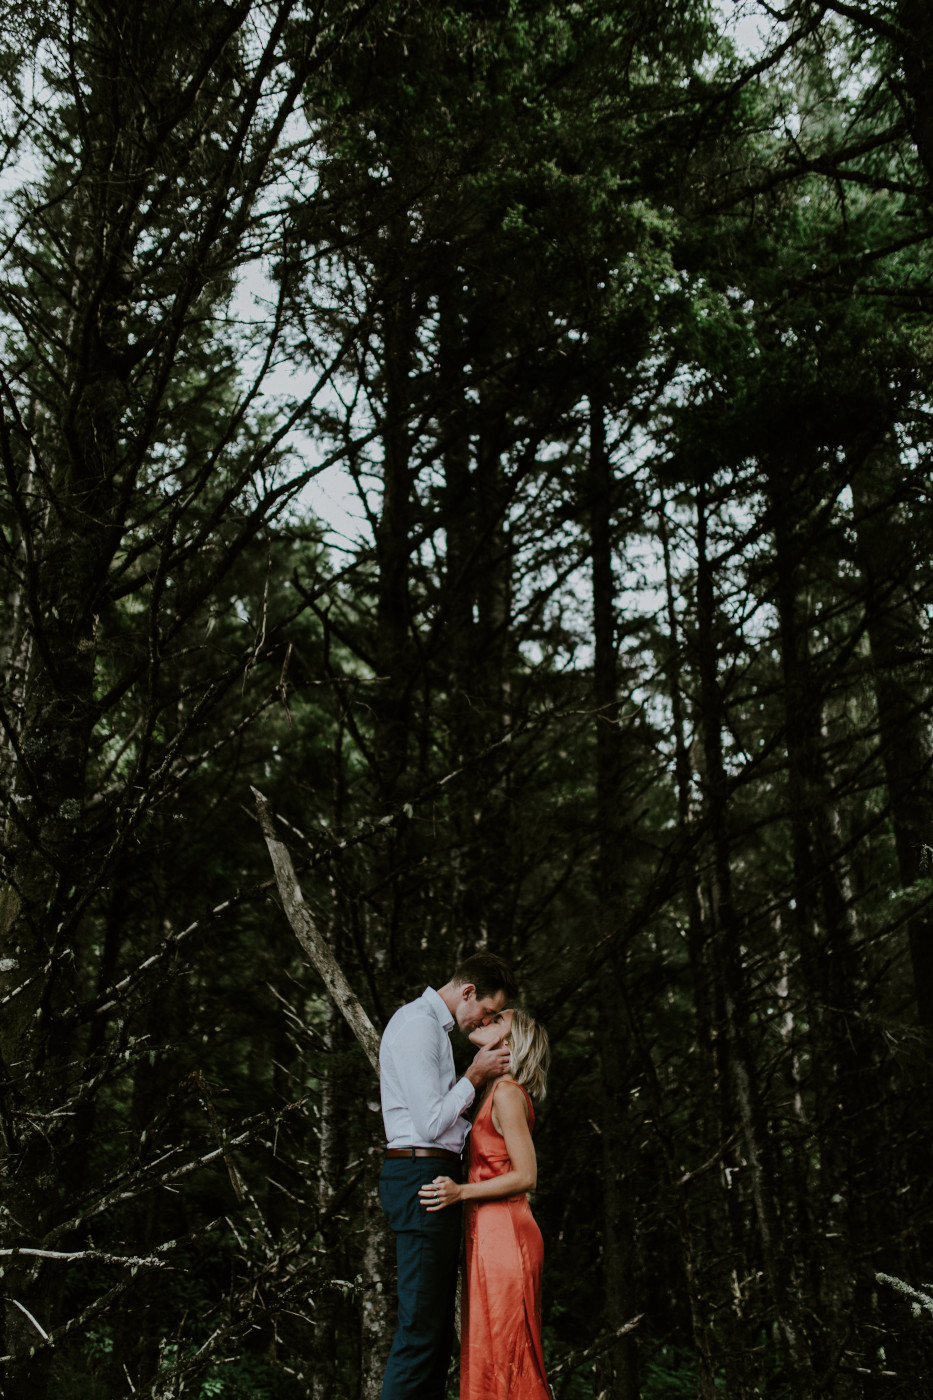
672, 1372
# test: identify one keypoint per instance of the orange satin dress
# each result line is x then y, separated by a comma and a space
500, 1327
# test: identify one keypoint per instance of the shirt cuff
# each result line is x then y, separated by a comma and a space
467, 1092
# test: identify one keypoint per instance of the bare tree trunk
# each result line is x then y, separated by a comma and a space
915, 30
474, 640
47, 865
28, 526
827, 935
492, 870
456, 643
331, 1137
896, 632
719, 1125
732, 976
392, 702
377, 1314
618, 1378
378, 1320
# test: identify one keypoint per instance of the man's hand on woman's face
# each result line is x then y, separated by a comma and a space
488, 1063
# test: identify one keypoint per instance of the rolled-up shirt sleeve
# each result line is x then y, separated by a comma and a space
419, 1055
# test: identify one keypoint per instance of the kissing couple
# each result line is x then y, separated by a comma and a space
430, 1206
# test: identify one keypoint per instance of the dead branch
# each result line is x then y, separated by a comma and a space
577, 1359
310, 938
98, 1256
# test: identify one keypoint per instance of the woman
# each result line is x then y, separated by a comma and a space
500, 1335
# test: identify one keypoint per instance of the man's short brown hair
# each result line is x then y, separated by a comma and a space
489, 974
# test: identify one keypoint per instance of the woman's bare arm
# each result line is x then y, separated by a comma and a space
511, 1109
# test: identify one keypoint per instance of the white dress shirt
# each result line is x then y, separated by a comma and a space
422, 1098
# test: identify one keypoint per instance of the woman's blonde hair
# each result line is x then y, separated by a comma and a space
531, 1053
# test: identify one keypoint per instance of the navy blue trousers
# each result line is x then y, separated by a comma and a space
427, 1250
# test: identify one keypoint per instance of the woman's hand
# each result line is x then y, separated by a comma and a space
439, 1193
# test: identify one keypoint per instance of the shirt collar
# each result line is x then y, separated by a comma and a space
439, 1007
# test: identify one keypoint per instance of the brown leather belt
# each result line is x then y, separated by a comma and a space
423, 1152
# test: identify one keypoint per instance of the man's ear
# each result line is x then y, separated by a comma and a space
468, 990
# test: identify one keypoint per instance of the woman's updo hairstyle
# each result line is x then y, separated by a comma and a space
531, 1053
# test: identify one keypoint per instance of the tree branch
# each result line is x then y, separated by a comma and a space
310, 938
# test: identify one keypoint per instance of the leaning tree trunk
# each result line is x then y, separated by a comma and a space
377, 1261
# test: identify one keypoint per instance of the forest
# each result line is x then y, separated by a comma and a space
481, 448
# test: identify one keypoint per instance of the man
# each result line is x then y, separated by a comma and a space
422, 1107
